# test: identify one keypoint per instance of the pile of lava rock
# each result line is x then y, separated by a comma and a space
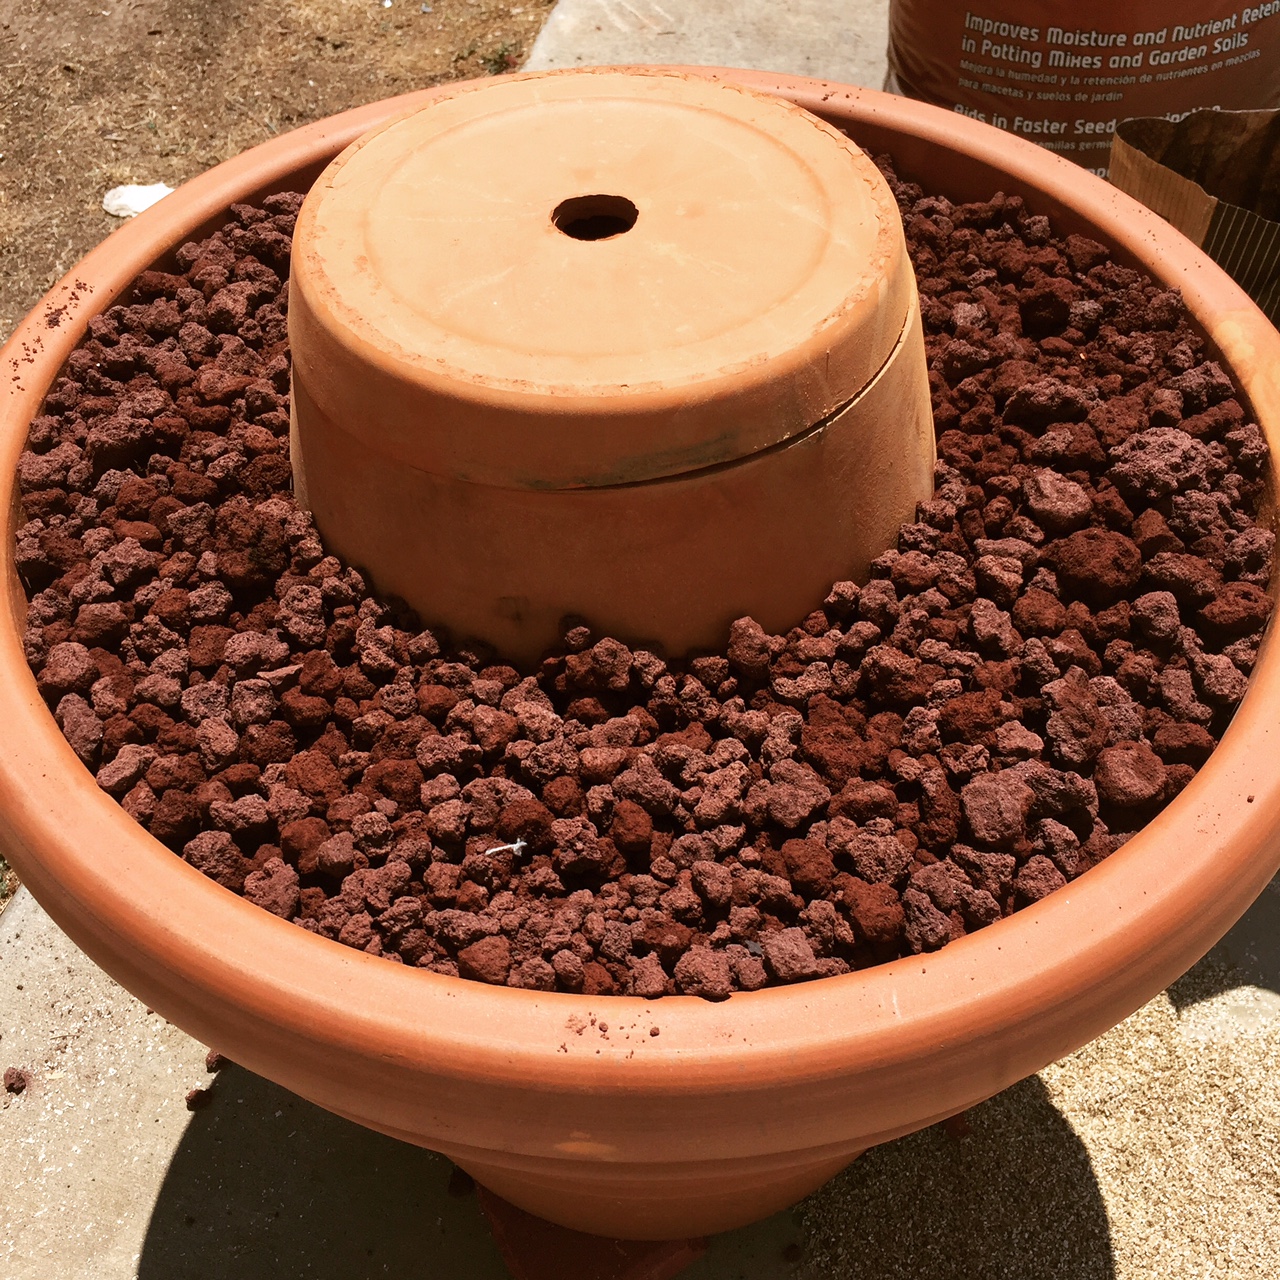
1045, 659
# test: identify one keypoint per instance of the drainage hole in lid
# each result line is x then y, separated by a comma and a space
595, 217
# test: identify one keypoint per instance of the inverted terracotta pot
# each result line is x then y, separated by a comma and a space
633, 345
731, 1110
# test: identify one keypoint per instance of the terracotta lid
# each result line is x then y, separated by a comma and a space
594, 277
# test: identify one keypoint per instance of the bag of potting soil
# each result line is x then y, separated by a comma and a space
1216, 176
1063, 75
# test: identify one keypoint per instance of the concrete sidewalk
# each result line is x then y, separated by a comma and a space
840, 40
107, 1176
1152, 1154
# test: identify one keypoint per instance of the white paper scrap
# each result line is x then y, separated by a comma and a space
128, 201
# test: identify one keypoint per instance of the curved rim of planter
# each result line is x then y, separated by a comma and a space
940, 1030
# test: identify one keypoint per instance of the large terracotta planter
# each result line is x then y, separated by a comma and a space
615, 1115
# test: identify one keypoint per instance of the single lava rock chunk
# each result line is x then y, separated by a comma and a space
16, 1080
1050, 652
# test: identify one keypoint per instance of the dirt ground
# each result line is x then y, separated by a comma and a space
94, 93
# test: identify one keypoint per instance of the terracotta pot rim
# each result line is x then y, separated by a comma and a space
1134, 918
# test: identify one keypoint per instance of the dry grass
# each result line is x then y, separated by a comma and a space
94, 93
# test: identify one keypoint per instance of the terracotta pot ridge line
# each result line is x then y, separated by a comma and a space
710, 469
799, 437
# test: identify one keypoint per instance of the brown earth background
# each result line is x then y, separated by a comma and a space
95, 93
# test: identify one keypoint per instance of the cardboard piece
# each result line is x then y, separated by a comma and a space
1216, 176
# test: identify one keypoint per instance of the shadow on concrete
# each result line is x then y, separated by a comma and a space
1007, 1191
265, 1185
1249, 956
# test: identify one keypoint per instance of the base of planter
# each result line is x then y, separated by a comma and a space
639, 1202
534, 1249
632, 1200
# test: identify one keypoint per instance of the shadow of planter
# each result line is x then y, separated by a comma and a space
265, 1185
1006, 1191
1249, 955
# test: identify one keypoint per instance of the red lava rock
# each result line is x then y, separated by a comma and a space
860, 801
214, 853
648, 979
1239, 608
69, 668
876, 911
1075, 728
16, 1080
1037, 613
664, 938
529, 820
996, 807
1192, 580
749, 648
1151, 465
789, 956
1055, 644
1037, 879
336, 857
1156, 615
1057, 504
274, 888
632, 827
809, 867
874, 851
927, 929
197, 1099
488, 960
1097, 565
1151, 534
1183, 743
101, 625
1046, 401
703, 972
1129, 774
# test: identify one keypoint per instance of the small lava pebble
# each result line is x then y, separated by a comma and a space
1052, 648
16, 1080
198, 1098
